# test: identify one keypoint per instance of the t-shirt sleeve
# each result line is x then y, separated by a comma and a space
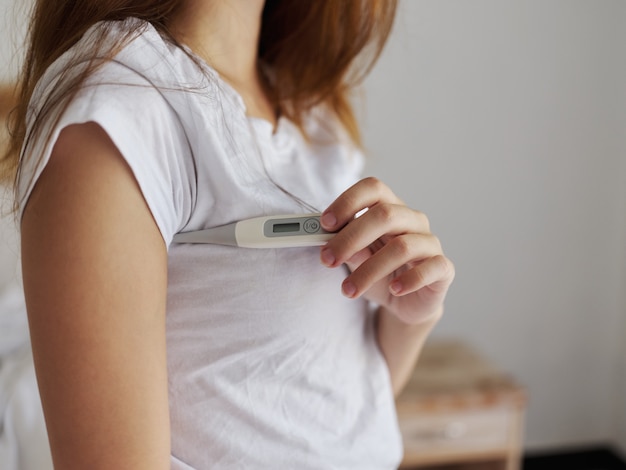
143, 126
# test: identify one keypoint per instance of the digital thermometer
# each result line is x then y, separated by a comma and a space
281, 231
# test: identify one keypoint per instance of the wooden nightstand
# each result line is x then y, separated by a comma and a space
7, 98
7, 102
460, 412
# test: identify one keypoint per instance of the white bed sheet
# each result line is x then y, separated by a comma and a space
23, 439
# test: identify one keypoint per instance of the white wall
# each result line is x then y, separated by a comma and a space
620, 401
12, 31
501, 120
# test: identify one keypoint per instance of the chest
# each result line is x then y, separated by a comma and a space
243, 168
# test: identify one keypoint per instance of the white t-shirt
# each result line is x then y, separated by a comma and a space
269, 365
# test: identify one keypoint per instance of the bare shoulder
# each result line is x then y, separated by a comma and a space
95, 276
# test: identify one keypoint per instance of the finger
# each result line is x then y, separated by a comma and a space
364, 194
401, 251
382, 221
436, 273
360, 257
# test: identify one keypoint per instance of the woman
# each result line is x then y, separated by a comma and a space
150, 118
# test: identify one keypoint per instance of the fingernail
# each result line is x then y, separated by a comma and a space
395, 287
348, 289
328, 259
328, 220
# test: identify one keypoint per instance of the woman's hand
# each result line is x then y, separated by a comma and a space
395, 260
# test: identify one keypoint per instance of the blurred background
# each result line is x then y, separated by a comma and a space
504, 121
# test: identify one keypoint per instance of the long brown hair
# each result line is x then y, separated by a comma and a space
317, 50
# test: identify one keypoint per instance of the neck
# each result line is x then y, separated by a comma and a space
225, 33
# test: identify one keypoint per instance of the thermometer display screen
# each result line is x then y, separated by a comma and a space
286, 228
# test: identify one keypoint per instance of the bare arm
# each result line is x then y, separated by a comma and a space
95, 274
401, 345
